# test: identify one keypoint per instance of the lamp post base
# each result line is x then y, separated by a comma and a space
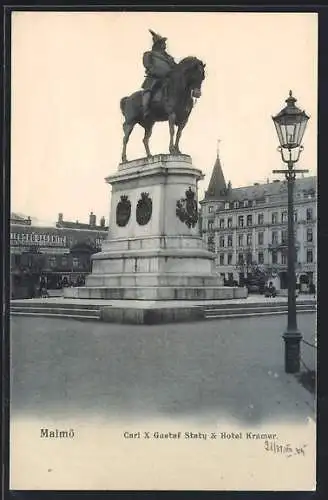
292, 340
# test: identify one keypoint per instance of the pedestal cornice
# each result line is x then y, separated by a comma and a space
158, 165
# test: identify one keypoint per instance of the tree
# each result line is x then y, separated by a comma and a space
252, 272
245, 264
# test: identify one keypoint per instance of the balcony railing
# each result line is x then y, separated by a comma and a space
281, 244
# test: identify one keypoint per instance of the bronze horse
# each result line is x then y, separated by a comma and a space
173, 102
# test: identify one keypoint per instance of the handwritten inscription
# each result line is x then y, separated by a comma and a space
284, 449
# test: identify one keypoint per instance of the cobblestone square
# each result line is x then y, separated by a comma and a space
221, 367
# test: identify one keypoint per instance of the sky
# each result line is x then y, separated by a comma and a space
70, 70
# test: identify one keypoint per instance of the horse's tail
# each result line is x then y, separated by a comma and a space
122, 104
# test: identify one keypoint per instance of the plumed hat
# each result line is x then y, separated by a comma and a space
157, 38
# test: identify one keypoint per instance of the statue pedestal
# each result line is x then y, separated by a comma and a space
154, 250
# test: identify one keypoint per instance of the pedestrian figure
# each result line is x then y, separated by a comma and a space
44, 292
270, 290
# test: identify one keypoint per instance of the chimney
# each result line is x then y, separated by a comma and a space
92, 219
102, 222
60, 217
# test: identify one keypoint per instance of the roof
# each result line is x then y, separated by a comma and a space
272, 188
79, 225
255, 191
217, 187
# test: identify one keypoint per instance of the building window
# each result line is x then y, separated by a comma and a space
229, 222
260, 219
246, 203
249, 239
309, 214
210, 209
221, 259
221, 241
240, 240
261, 258
64, 261
221, 223
274, 217
229, 259
309, 256
241, 221
229, 240
295, 216
227, 205
236, 204
249, 258
240, 258
210, 244
274, 258
309, 235
249, 220
284, 258
284, 217
274, 237
284, 237
76, 262
210, 225
260, 238
52, 261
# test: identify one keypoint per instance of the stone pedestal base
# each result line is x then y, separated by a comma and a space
154, 250
154, 293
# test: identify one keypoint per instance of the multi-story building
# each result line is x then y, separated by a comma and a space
248, 225
59, 252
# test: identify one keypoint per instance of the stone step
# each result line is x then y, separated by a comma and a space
54, 315
251, 314
28, 303
60, 311
257, 308
254, 310
236, 305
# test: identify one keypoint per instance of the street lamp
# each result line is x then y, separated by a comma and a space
290, 125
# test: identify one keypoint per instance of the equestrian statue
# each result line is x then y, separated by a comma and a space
170, 90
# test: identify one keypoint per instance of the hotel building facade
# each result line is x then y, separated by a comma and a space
248, 224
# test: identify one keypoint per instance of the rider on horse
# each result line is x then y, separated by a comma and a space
158, 64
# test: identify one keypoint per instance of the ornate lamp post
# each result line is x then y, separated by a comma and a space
290, 125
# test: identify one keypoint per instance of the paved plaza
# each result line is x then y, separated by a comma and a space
227, 367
